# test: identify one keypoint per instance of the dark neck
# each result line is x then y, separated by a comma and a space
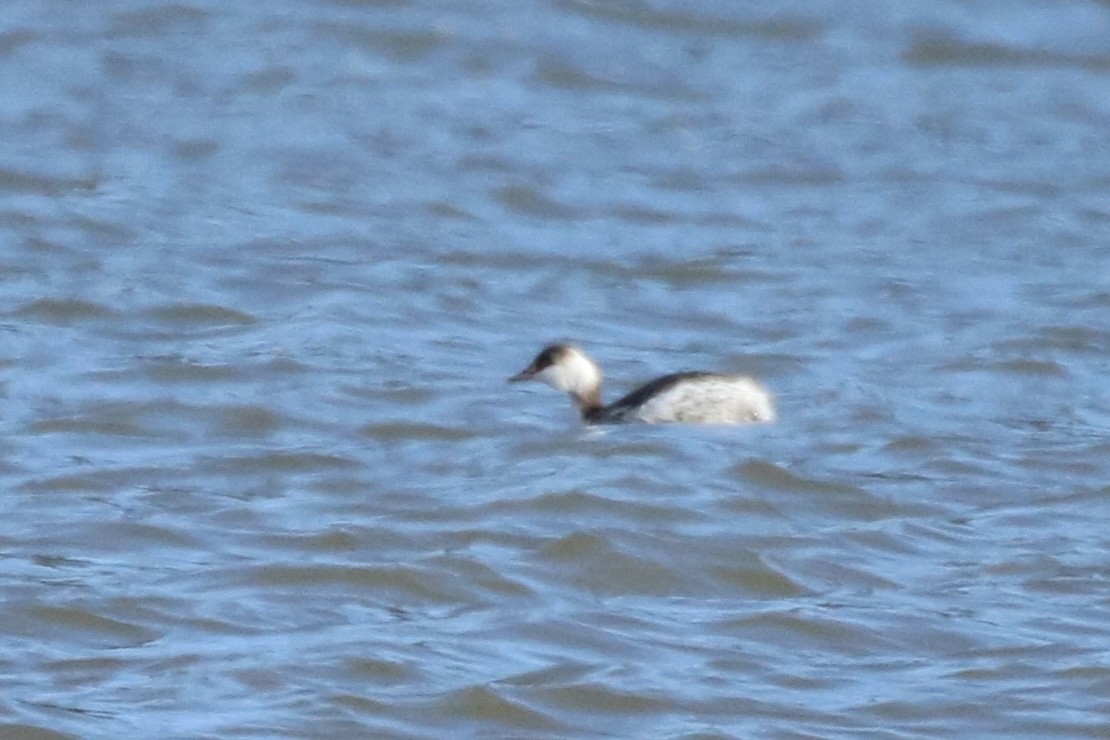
589, 405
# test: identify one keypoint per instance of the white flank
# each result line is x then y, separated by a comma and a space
723, 399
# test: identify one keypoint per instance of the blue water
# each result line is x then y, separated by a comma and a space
265, 270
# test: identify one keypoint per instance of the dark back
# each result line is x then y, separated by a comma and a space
616, 411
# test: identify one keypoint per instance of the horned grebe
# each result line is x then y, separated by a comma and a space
692, 397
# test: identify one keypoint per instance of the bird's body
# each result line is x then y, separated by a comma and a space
690, 397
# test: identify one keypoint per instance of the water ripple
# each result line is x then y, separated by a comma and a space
264, 275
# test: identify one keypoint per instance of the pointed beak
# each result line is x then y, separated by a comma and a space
526, 374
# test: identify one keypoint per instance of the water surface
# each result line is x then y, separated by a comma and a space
264, 272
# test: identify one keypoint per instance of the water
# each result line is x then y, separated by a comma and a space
266, 266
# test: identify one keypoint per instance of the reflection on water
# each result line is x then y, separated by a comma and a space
265, 273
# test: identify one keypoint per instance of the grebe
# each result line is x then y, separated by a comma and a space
692, 397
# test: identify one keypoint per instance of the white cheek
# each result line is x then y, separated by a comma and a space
554, 376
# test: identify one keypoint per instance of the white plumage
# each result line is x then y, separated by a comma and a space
711, 399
